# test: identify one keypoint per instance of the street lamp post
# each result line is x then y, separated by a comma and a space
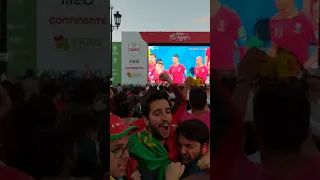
117, 21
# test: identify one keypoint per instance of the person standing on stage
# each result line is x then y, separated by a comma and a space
200, 70
177, 70
226, 31
293, 30
151, 66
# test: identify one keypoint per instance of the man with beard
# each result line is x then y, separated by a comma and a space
151, 66
293, 30
154, 143
179, 106
193, 141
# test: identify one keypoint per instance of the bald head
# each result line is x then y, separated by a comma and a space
199, 61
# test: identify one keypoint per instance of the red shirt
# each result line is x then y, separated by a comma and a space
208, 55
177, 73
201, 72
156, 75
151, 70
294, 34
224, 32
7, 173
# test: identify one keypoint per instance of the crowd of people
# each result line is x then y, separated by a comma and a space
164, 132
58, 128
262, 124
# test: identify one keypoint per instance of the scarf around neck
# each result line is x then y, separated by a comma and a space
150, 153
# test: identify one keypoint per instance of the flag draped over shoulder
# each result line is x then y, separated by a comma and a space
150, 153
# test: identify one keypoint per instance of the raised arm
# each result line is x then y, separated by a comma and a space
181, 101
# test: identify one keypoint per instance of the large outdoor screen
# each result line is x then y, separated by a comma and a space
178, 61
265, 25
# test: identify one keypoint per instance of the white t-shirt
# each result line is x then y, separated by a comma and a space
119, 88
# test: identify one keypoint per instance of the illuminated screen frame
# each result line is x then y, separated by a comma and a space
177, 45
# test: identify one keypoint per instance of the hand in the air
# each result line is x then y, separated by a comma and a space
165, 77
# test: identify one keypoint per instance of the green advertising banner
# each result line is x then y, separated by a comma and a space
116, 62
22, 36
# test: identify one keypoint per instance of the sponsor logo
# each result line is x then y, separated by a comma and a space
133, 67
134, 49
65, 44
78, 2
134, 61
297, 28
76, 20
179, 37
222, 27
132, 75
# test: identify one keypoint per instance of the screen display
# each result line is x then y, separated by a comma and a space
179, 62
291, 24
